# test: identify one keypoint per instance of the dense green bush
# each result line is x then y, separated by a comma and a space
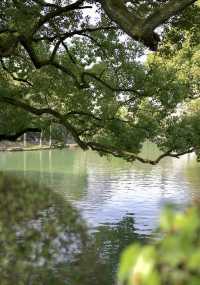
172, 260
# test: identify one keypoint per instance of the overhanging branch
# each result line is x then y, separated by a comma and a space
106, 149
142, 29
131, 157
39, 112
162, 14
60, 10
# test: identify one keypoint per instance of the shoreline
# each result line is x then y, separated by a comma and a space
14, 147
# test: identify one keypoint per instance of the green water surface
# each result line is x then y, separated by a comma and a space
118, 203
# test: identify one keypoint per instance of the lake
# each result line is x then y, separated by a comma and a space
120, 202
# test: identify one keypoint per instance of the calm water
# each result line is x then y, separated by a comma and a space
120, 202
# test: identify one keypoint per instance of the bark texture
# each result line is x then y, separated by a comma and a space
143, 29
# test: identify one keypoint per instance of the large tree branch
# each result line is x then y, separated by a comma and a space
107, 149
130, 157
39, 112
38, 63
60, 10
51, 61
162, 14
77, 32
62, 38
143, 29
140, 29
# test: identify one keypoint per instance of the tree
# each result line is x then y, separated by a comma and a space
63, 63
140, 26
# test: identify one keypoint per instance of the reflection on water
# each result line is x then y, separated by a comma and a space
40, 235
120, 203
44, 241
104, 190
110, 240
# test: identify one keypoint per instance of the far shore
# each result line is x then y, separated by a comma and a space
19, 146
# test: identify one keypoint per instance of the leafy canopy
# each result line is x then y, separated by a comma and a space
71, 62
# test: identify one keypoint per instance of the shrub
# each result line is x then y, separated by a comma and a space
172, 260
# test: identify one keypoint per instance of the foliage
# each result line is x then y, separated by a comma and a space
78, 69
172, 260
